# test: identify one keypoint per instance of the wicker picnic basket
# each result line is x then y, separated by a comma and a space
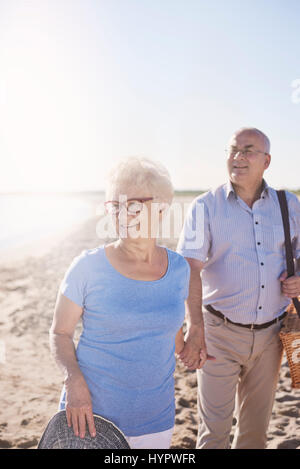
290, 338
290, 332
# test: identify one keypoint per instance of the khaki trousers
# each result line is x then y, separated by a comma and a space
241, 383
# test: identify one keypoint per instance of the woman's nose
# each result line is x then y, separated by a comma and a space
122, 212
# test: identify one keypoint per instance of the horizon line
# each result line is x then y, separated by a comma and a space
102, 191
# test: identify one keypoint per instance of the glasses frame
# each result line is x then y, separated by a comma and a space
244, 151
140, 199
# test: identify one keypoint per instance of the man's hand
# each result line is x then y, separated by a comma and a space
290, 287
194, 353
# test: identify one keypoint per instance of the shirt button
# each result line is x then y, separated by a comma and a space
258, 243
262, 286
262, 263
256, 222
260, 307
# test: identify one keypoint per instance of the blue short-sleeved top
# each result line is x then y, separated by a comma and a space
126, 349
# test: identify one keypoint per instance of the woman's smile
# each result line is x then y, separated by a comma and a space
131, 225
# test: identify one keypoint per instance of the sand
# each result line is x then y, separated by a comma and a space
30, 380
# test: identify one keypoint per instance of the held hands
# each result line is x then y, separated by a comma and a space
191, 349
290, 287
79, 410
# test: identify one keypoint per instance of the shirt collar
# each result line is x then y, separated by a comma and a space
230, 190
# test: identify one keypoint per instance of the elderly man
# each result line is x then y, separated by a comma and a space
241, 265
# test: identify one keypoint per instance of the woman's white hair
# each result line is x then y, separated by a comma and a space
142, 172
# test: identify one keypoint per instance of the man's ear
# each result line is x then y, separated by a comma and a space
268, 161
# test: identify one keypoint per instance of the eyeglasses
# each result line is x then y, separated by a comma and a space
133, 206
232, 151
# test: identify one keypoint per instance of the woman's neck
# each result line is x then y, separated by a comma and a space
144, 250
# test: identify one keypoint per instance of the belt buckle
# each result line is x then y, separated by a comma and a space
225, 320
252, 327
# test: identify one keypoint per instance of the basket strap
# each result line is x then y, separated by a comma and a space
288, 244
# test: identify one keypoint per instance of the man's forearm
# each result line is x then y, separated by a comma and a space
194, 300
194, 354
297, 270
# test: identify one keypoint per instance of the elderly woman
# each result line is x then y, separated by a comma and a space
131, 295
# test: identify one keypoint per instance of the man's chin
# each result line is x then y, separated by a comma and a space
238, 177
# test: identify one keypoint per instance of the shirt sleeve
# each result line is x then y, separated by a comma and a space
195, 237
73, 285
294, 211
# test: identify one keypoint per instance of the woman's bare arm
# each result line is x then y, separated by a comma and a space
78, 399
66, 316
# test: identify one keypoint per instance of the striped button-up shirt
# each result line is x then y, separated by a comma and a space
243, 251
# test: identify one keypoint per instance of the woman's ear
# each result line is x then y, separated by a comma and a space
163, 206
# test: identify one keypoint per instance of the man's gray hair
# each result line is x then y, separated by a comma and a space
263, 136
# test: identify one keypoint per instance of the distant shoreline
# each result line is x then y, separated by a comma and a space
39, 246
177, 192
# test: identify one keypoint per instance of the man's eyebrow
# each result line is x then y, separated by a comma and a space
246, 146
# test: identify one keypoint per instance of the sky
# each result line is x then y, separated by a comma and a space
84, 83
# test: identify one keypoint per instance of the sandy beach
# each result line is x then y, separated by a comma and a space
30, 380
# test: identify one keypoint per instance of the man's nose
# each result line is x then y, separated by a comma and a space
239, 154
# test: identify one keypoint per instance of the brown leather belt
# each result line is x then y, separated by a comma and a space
248, 326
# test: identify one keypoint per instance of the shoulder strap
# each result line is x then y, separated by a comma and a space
288, 244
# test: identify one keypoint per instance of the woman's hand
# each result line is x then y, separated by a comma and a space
179, 342
194, 353
79, 409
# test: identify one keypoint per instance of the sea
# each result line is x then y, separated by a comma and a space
29, 217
